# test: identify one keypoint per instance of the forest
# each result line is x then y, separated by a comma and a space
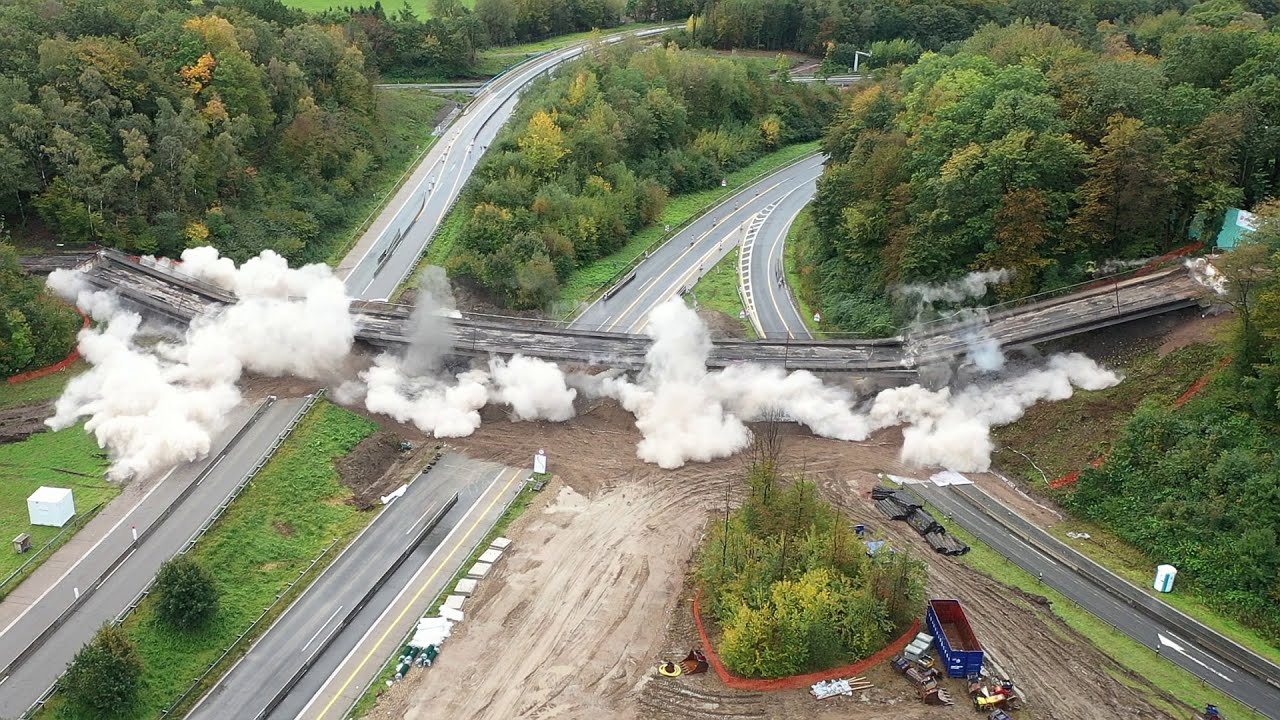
155, 125
1199, 486
792, 587
1045, 152
592, 154
35, 328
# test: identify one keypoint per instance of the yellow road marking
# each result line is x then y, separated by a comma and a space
416, 596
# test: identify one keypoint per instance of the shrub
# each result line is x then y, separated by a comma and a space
105, 675
186, 594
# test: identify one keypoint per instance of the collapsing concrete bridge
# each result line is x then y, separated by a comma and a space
180, 298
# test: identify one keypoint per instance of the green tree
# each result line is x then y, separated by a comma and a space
186, 594
1125, 199
104, 677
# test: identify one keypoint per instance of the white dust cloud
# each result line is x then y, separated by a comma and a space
158, 405
688, 413
154, 406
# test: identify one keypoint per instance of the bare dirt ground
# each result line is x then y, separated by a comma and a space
592, 595
377, 465
722, 326
23, 421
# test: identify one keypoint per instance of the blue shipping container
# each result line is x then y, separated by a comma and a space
959, 647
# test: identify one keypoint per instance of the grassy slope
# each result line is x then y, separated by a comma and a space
409, 116
279, 524
588, 279
1064, 436
519, 504
718, 290
791, 265
26, 465
1158, 671
40, 389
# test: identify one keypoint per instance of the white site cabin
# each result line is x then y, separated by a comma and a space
51, 506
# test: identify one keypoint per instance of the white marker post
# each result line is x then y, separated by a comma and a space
135, 533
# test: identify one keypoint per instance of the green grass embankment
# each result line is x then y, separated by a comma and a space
68, 458
293, 509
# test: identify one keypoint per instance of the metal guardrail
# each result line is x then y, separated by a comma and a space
355, 610
448, 588
77, 523
248, 631
44, 636
1117, 587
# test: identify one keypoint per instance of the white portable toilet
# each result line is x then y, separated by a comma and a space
51, 506
1164, 577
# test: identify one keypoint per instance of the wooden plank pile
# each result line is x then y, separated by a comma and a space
897, 505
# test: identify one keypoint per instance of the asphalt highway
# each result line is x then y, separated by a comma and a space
337, 596
340, 676
29, 680
386, 254
678, 264
1003, 530
772, 305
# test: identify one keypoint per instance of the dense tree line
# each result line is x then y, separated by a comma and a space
592, 154
446, 41
821, 26
792, 586
153, 125
1043, 151
36, 328
1199, 486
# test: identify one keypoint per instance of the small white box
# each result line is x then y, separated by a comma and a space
451, 614
51, 506
490, 556
454, 602
500, 543
479, 570
465, 587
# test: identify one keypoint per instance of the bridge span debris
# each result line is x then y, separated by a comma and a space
154, 404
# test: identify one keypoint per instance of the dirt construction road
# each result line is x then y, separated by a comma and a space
593, 594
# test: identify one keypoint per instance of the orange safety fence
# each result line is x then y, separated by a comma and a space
62, 364
1200, 384
794, 681
1190, 392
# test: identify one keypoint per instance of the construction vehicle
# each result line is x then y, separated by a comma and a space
1211, 712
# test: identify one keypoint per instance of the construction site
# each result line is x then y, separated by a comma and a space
594, 596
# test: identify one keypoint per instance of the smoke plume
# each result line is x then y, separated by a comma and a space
973, 285
154, 406
157, 405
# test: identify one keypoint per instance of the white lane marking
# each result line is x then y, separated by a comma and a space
1166, 642
322, 627
87, 553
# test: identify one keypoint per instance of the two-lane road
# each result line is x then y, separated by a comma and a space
687, 256
386, 254
772, 303
1072, 574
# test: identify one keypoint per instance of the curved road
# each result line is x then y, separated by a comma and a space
679, 263
390, 249
773, 309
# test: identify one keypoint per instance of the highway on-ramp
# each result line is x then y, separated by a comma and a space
677, 265
388, 251
209, 482
1136, 614
773, 308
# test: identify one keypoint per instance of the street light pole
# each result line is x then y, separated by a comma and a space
857, 54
